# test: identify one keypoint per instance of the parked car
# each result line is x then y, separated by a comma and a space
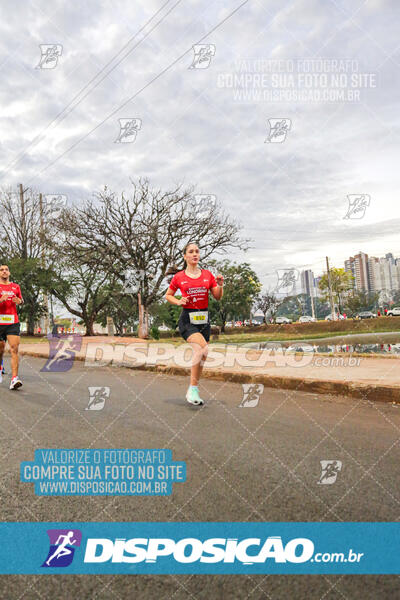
307, 319
365, 314
338, 317
163, 328
394, 312
301, 348
282, 320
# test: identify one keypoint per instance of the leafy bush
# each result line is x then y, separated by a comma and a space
155, 332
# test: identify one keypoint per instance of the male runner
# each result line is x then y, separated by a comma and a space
10, 296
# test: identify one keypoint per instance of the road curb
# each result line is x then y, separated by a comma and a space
372, 392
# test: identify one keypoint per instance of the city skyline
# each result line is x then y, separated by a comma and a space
371, 273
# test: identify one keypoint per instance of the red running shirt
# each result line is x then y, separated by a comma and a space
194, 289
8, 308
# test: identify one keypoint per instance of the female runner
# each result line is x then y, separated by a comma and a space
194, 323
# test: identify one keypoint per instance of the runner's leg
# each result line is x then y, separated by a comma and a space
2, 346
200, 350
13, 341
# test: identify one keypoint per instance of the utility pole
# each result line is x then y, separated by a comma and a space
24, 247
330, 290
43, 263
312, 304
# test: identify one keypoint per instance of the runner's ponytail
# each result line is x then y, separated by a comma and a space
172, 270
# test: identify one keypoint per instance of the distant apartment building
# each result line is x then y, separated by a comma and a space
396, 273
358, 266
307, 282
384, 273
372, 274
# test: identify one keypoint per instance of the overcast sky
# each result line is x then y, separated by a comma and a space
197, 128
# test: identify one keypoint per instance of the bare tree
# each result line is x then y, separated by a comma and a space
267, 303
20, 224
146, 232
22, 231
83, 288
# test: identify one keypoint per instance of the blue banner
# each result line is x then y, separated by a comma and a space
208, 548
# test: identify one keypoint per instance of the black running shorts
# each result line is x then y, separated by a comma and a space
186, 328
5, 330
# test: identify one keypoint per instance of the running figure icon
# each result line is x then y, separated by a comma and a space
62, 549
63, 545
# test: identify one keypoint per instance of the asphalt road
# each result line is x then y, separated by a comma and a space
256, 464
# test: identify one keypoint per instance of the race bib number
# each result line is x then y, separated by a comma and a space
199, 317
6, 319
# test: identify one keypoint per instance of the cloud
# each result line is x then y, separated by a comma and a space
291, 197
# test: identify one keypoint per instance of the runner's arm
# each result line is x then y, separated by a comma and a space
218, 290
18, 299
170, 297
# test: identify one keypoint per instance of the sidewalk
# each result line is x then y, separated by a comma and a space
372, 378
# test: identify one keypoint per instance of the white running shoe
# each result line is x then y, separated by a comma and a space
193, 397
15, 383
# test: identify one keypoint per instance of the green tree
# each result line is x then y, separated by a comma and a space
291, 307
360, 300
341, 282
23, 226
166, 313
123, 308
83, 290
241, 287
32, 279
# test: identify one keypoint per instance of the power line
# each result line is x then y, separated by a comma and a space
63, 114
138, 92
